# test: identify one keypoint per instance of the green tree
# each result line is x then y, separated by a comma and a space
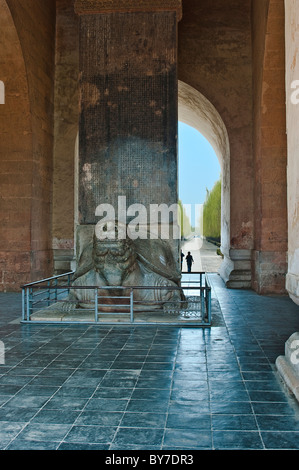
184, 221
212, 213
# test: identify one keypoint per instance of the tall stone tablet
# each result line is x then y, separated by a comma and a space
128, 119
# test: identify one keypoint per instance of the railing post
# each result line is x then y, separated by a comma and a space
202, 298
132, 305
56, 283
23, 304
28, 304
202, 293
69, 282
49, 293
96, 306
209, 306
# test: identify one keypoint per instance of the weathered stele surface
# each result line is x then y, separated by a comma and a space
128, 116
119, 261
127, 132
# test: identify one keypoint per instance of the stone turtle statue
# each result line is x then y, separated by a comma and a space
126, 262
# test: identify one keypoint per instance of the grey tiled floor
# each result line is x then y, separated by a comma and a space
88, 387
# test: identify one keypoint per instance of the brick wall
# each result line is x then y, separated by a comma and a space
26, 147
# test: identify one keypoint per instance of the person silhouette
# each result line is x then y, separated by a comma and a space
189, 261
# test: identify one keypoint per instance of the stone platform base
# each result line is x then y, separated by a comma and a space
288, 365
189, 317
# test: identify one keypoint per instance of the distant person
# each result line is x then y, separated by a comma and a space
182, 259
189, 261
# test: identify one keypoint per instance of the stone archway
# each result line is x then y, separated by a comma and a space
198, 112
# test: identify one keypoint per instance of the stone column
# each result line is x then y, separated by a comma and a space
292, 101
128, 107
270, 150
288, 365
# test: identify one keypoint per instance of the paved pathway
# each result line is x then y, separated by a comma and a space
204, 255
155, 388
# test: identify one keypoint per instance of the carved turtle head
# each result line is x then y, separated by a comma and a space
112, 244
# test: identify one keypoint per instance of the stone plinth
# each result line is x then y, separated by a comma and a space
236, 269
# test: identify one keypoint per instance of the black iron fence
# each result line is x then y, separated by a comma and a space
48, 301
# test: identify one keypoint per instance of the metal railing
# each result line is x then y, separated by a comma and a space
44, 292
49, 294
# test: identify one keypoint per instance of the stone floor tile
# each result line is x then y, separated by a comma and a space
277, 423
268, 396
112, 392
147, 405
22, 444
78, 446
238, 440
188, 439
8, 431
58, 403
44, 432
233, 422
55, 416
188, 421
150, 394
231, 407
139, 436
273, 408
106, 404
99, 418
27, 401
144, 419
280, 440
91, 434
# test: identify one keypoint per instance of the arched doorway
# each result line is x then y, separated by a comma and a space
196, 111
199, 188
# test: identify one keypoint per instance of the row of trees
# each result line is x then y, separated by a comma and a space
212, 213
184, 222
210, 223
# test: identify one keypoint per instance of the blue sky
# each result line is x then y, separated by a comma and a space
199, 167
